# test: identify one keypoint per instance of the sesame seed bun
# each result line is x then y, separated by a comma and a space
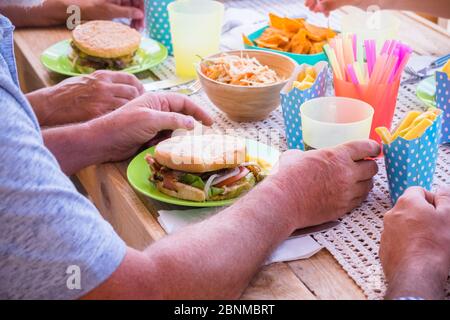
106, 39
201, 153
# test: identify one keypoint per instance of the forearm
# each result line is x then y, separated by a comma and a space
41, 106
51, 12
425, 279
72, 146
218, 257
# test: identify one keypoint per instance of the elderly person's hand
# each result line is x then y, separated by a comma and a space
325, 6
323, 185
110, 9
415, 244
83, 98
121, 133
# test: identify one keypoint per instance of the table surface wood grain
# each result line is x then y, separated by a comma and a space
134, 216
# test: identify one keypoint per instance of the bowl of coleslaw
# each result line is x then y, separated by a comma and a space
245, 84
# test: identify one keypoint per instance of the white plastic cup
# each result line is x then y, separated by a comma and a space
195, 26
330, 121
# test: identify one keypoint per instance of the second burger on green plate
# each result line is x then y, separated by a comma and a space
103, 45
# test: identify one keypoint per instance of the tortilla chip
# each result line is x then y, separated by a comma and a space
247, 41
292, 25
293, 35
300, 44
276, 21
317, 47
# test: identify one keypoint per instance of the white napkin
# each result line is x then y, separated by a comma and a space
291, 249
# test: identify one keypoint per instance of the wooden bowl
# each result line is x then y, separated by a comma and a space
245, 104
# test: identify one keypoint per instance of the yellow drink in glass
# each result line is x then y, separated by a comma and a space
196, 27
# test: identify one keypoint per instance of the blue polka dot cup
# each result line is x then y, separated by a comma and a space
412, 162
443, 103
292, 99
157, 22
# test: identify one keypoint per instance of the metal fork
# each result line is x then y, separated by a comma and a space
423, 73
191, 89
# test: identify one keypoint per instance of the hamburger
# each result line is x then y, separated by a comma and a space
203, 168
103, 45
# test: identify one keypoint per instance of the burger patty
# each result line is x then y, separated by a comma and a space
80, 58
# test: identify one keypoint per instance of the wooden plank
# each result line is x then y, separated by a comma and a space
120, 206
326, 279
31, 42
277, 281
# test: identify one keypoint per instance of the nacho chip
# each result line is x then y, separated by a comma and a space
317, 47
300, 44
247, 41
293, 35
276, 21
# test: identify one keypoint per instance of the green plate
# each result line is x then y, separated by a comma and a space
426, 91
138, 173
55, 58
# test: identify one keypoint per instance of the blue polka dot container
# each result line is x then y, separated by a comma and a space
412, 162
157, 22
292, 99
443, 103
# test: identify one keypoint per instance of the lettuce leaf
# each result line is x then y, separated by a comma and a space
192, 180
214, 191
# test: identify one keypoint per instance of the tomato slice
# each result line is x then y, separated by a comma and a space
243, 171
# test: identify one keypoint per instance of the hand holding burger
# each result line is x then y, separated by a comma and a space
119, 134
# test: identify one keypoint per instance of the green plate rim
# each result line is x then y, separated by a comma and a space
156, 195
165, 54
427, 102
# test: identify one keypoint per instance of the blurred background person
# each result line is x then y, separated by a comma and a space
438, 8
54, 12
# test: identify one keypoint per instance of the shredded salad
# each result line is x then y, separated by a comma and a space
239, 70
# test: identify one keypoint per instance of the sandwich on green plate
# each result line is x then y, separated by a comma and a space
203, 168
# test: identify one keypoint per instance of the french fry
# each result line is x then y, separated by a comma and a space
407, 121
384, 134
418, 130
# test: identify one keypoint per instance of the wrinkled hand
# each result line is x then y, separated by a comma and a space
323, 185
415, 244
121, 133
326, 6
83, 98
111, 9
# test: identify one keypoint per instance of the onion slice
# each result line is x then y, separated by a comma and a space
225, 176
208, 185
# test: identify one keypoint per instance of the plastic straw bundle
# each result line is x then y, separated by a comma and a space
365, 73
359, 62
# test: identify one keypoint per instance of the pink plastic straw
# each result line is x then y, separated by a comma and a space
399, 70
355, 47
386, 45
352, 75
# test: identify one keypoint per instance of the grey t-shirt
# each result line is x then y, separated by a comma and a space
53, 242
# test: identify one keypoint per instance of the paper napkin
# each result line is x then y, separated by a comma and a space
291, 249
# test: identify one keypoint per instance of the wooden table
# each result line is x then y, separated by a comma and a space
134, 216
